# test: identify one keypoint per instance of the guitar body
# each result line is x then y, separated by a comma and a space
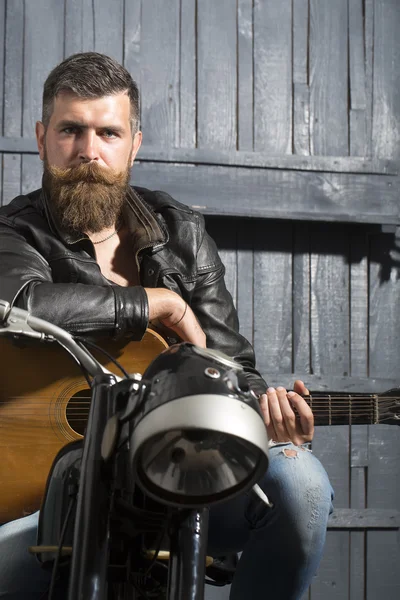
44, 404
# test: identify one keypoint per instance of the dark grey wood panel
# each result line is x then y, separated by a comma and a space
357, 79
159, 77
369, 62
273, 76
2, 53
331, 446
13, 95
358, 500
383, 550
279, 194
329, 77
217, 74
386, 80
188, 73
132, 39
384, 329
272, 294
301, 299
110, 39
44, 21
192, 156
245, 94
75, 27
359, 307
31, 173
329, 303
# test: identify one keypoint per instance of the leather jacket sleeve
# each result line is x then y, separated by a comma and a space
213, 305
26, 281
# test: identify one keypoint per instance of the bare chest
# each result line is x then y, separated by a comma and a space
117, 264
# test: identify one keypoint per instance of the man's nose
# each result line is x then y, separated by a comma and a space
88, 149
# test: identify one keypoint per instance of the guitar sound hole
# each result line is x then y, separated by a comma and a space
77, 411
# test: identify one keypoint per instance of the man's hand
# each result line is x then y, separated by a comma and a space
287, 415
173, 312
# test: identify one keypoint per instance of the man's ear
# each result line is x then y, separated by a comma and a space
40, 135
137, 140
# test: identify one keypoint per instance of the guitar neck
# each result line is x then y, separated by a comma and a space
354, 409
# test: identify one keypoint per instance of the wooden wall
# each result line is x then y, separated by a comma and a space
279, 120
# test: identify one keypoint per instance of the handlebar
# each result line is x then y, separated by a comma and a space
18, 322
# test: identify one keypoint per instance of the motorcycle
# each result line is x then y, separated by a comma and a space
125, 508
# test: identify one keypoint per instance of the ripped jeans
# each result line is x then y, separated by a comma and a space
282, 546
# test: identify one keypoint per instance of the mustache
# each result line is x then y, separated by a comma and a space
86, 173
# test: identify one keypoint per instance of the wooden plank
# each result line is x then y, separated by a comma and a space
88, 17
331, 447
384, 331
300, 42
301, 298
273, 76
330, 353
132, 38
11, 177
13, 95
74, 25
39, 57
329, 77
109, 28
301, 119
359, 302
149, 153
275, 194
358, 460
383, 565
356, 55
383, 549
31, 173
94, 25
216, 74
188, 83
160, 78
2, 61
358, 102
272, 297
369, 61
13, 69
326, 383
358, 133
245, 75
301, 90
368, 518
386, 80
358, 489
245, 270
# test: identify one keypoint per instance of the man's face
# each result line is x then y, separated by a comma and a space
87, 151
95, 130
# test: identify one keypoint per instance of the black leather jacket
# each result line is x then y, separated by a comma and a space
56, 277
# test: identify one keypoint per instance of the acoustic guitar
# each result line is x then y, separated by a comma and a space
44, 404
45, 399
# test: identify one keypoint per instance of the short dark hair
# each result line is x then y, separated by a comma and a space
90, 75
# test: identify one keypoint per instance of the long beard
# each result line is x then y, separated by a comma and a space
87, 198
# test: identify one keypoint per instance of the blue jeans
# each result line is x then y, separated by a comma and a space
282, 546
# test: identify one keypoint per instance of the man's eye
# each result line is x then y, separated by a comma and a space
70, 130
108, 133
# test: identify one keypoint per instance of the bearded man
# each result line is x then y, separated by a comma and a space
94, 255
